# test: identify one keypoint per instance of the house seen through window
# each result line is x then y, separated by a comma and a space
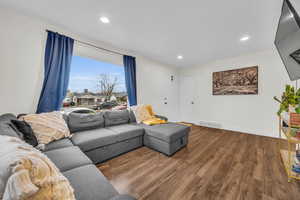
95, 85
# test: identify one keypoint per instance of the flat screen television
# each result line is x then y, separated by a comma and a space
287, 39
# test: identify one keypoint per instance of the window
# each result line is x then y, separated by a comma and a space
95, 85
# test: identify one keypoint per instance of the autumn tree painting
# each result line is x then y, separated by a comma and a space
236, 82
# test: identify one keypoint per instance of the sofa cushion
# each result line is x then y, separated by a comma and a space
7, 128
116, 117
68, 158
84, 121
126, 131
90, 184
92, 139
169, 132
62, 143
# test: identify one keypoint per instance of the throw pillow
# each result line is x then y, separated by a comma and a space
48, 127
27, 132
27, 174
141, 113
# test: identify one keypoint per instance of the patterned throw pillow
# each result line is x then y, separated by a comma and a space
141, 113
27, 174
48, 127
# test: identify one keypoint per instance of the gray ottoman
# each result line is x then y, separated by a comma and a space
166, 138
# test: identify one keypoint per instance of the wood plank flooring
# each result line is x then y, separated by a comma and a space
216, 164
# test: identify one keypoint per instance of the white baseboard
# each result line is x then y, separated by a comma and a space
237, 129
209, 124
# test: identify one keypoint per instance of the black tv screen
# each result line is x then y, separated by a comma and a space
287, 39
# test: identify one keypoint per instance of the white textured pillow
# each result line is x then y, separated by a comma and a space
27, 174
48, 127
141, 113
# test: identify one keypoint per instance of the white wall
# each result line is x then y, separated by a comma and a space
21, 50
156, 88
254, 114
22, 40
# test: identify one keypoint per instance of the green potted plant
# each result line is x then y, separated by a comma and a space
290, 100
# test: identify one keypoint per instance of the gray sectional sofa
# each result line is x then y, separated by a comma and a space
99, 137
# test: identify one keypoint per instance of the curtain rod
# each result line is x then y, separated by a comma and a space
92, 45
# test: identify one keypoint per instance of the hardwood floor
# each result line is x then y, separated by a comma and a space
216, 164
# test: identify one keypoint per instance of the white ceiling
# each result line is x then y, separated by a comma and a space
199, 30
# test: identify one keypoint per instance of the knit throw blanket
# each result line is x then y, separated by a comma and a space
28, 174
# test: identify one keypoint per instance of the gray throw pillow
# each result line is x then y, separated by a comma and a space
81, 121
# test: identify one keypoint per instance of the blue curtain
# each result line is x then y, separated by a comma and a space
58, 57
130, 78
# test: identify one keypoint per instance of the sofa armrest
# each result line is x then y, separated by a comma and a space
123, 197
161, 117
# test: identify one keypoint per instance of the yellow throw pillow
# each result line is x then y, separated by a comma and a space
48, 127
28, 174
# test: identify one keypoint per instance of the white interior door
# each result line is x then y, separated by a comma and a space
187, 99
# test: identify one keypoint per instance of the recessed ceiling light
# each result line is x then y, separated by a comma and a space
245, 38
104, 20
179, 57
